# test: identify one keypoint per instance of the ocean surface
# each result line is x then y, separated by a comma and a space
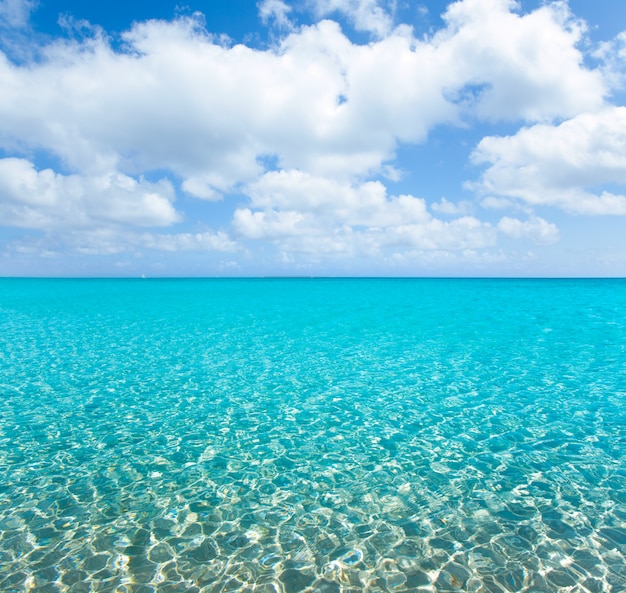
332, 435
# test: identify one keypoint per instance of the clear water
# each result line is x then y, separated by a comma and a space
312, 435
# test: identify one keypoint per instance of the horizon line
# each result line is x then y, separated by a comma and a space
311, 277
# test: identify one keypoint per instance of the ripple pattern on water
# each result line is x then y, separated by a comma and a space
324, 435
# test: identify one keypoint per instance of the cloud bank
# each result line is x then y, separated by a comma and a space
306, 132
559, 165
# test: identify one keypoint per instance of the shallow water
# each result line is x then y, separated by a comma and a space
312, 435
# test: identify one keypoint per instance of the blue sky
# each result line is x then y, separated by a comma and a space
313, 137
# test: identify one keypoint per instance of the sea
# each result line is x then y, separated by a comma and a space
312, 435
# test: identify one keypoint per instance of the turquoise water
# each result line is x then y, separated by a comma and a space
312, 435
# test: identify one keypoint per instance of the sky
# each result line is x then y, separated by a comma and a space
313, 138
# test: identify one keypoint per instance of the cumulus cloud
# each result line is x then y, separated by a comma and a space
307, 214
177, 99
560, 165
365, 204
537, 229
327, 113
47, 200
517, 66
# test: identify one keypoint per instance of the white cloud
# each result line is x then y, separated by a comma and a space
268, 224
16, 13
445, 206
364, 15
307, 214
462, 233
179, 100
46, 200
517, 66
365, 205
560, 165
328, 113
537, 229
275, 10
